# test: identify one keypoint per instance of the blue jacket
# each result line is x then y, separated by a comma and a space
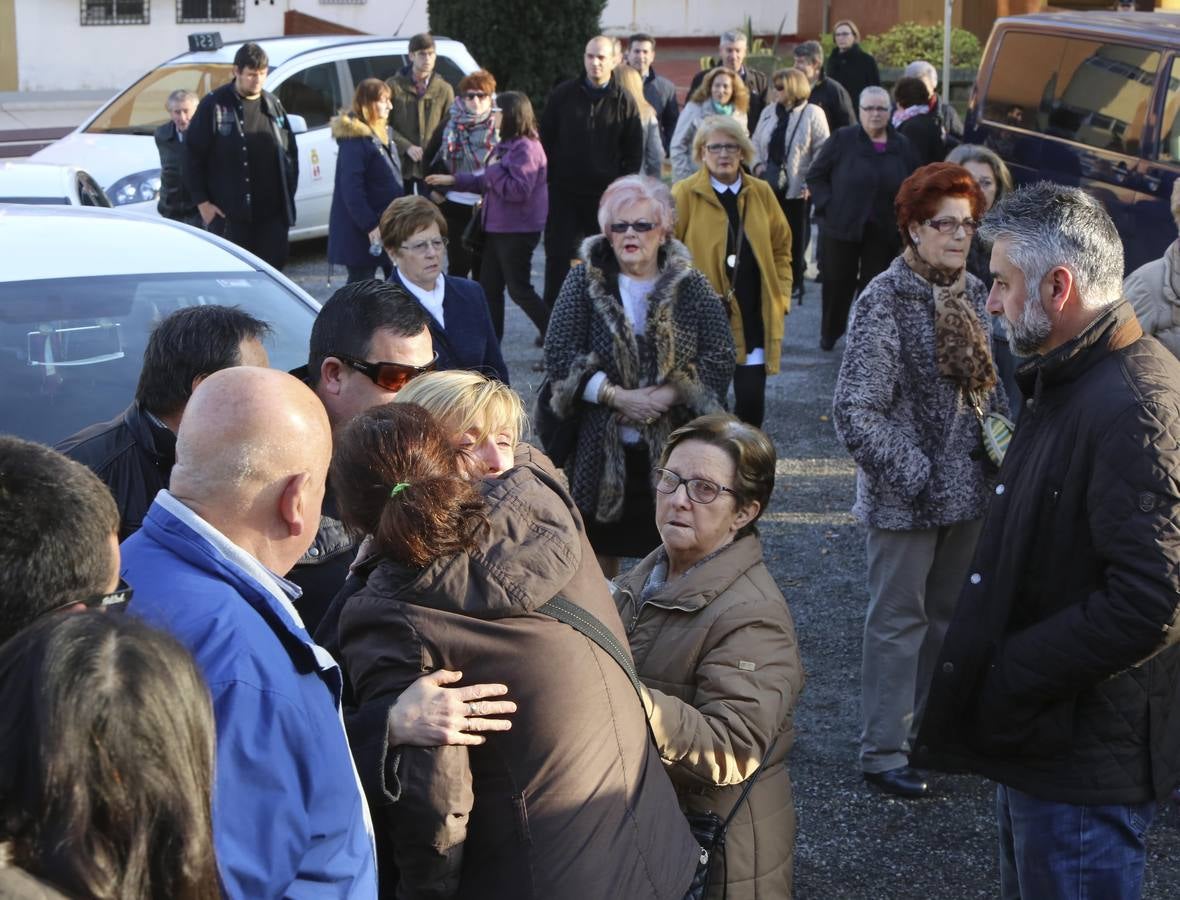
289, 817
368, 179
469, 340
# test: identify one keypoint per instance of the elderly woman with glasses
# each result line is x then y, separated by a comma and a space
853, 181
714, 644
738, 236
414, 234
638, 344
916, 379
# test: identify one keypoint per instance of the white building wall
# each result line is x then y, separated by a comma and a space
56, 52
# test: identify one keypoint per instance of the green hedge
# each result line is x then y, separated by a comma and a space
525, 45
904, 43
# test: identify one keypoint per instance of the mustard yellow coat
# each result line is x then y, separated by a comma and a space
702, 224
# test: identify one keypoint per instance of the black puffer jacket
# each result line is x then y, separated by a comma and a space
131, 455
590, 137
1060, 674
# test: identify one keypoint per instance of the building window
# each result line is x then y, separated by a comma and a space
116, 12
210, 10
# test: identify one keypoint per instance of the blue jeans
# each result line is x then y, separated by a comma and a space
1054, 851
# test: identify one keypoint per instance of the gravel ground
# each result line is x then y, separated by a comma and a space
852, 843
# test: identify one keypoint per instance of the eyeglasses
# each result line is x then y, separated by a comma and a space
950, 225
779, 86
717, 149
638, 227
700, 490
116, 599
420, 247
391, 376
474, 95
875, 109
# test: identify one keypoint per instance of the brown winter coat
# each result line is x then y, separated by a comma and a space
716, 647
418, 121
703, 226
572, 802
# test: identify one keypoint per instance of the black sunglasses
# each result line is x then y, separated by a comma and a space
116, 599
640, 227
391, 376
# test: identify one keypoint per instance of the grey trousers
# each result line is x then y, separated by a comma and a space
914, 583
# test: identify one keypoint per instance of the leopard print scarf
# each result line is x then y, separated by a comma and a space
962, 348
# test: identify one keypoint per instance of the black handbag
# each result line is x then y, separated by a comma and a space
709, 829
558, 436
474, 235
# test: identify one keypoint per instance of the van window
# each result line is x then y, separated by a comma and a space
313, 93
383, 67
1090, 92
1170, 126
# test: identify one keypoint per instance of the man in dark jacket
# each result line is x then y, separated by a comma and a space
242, 166
657, 90
592, 135
1060, 674
134, 452
733, 56
175, 202
828, 95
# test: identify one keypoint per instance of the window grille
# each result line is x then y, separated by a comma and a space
210, 11
116, 12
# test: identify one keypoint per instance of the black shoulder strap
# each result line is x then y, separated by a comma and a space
588, 624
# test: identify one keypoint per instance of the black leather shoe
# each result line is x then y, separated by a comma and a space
826, 343
900, 782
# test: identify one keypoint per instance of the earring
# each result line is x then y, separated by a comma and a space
917, 240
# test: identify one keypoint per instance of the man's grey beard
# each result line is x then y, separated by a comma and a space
1028, 334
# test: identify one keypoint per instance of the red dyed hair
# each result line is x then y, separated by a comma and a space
922, 193
479, 80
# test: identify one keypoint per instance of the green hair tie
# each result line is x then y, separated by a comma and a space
398, 488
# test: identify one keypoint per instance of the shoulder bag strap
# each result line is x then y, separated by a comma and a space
589, 625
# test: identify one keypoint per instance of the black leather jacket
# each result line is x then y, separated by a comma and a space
174, 201
132, 455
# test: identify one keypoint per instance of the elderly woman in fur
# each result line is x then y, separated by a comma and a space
638, 345
917, 375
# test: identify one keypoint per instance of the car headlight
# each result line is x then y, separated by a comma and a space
138, 188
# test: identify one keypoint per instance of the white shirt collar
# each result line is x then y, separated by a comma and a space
722, 188
432, 299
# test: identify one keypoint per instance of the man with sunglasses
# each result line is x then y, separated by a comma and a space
59, 548
369, 339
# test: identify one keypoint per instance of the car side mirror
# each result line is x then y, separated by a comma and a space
298, 123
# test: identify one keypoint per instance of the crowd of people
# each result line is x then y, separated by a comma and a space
345, 631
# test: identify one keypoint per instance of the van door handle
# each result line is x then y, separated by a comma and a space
1120, 171
1153, 182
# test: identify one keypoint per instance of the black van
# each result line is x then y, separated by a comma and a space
1089, 99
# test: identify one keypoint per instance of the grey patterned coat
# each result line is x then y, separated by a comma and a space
689, 345
913, 433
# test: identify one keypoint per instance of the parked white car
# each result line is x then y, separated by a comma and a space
314, 77
45, 184
80, 291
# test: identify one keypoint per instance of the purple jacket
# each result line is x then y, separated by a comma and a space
516, 190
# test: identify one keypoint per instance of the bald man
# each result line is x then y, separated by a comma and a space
243, 504
592, 135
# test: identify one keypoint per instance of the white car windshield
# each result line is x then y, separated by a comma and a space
71, 348
141, 108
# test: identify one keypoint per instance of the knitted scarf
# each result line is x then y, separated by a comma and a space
468, 140
902, 115
962, 348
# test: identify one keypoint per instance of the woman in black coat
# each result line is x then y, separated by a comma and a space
368, 179
913, 118
853, 182
850, 65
